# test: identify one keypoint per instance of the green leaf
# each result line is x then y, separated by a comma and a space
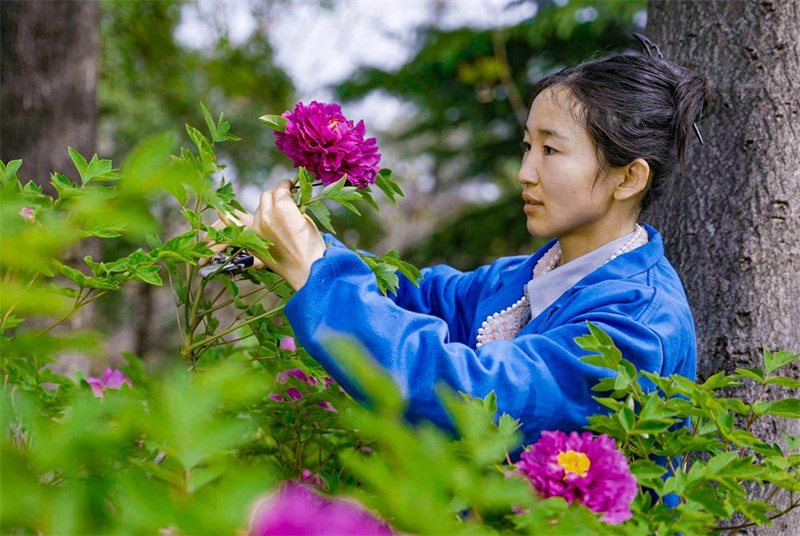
194, 219
305, 185
784, 382
222, 131
757, 511
72, 274
645, 470
720, 380
12, 321
147, 274
80, 162
104, 227
96, 169
275, 122
753, 373
598, 341
8, 172
65, 187
653, 426
322, 214
386, 277
383, 180
366, 195
203, 147
708, 499
792, 442
409, 270
212, 128
717, 463
253, 243
626, 418
781, 359
789, 408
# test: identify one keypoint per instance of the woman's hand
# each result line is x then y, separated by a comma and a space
297, 242
242, 219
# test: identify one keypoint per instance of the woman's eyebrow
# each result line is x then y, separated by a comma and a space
548, 132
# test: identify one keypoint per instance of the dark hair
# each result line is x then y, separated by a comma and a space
634, 107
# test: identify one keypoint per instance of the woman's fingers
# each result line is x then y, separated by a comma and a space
237, 218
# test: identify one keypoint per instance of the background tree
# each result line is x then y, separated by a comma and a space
469, 88
150, 82
49, 73
730, 225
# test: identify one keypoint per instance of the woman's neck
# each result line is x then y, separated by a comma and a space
579, 243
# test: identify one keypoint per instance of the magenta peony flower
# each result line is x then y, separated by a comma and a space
27, 213
294, 394
312, 478
288, 343
326, 143
112, 379
297, 510
581, 467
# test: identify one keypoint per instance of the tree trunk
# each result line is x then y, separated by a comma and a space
730, 222
49, 71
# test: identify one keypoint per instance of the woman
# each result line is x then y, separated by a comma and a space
602, 142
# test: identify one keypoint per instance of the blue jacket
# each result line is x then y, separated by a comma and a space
427, 334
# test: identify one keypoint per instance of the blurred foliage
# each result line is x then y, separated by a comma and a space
150, 82
463, 83
188, 449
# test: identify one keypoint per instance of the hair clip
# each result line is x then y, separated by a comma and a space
649, 46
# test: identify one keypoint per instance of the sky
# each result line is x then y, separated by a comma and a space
364, 32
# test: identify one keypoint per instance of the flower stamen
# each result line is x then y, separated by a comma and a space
574, 462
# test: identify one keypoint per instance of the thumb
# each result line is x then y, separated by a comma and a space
311, 221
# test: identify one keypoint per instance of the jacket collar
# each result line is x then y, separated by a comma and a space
623, 267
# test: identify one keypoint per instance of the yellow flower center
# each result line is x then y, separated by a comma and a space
332, 125
574, 462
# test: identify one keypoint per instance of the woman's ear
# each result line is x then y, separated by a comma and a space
634, 180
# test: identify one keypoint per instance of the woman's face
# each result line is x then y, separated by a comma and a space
558, 171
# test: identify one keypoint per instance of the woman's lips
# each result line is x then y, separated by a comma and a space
531, 207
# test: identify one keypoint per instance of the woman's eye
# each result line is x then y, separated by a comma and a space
546, 147
525, 146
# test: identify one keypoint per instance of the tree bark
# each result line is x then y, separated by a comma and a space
50, 54
730, 222
49, 71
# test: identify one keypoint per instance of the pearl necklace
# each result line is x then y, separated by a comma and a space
498, 325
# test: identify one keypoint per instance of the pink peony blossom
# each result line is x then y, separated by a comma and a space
581, 467
288, 343
112, 379
312, 478
294, 394
27, 213
297, 510
328, 144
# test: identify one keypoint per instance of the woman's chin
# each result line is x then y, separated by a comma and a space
536, 230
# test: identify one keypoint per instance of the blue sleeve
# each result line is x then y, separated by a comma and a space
538, 378
443, 292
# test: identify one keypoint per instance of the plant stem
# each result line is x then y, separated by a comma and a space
228, 302
752, 523
176, 299
234, 328
752, 417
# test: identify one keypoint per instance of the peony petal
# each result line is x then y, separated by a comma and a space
97, 386
288, 343
617, 517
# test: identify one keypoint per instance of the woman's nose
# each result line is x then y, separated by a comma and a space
527, 174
